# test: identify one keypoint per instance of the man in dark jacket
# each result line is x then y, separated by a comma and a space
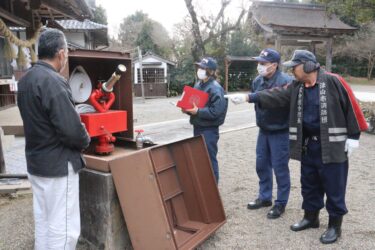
206, 121
55, 138
272, 150
324, 128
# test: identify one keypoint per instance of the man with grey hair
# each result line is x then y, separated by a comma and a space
55, 139
325, 123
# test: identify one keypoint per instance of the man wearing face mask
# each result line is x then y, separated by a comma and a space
206, 121
325, 124
55, 138
272, 150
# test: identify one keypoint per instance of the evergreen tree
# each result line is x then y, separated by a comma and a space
100, 15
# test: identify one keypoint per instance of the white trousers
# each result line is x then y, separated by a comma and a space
56, 211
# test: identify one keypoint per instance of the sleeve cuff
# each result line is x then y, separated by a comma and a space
354, 137
253, 97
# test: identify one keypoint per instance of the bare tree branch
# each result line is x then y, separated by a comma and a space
213, 35
224, 4
216, 27
198, 47
207, 22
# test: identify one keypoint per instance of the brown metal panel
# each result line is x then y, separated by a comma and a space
161, 158
94, 54
141, 202
193, 205
201, 236
191, 155
198, 154
188, 186
123, 147
95, 163
169, 184
167, 193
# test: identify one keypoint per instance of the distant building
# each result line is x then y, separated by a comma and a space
84, 34
156, 72
298, 25
23, 18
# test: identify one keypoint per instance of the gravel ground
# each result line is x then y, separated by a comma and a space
247, 229
250, 229
144, 112
244, 229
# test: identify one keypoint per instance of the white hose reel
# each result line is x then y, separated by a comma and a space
81, 87
80, 84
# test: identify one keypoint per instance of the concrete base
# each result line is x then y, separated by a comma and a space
7, 141
102, 222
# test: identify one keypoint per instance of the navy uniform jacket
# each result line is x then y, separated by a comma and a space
340, 116
213, 114
53, 130
271, 119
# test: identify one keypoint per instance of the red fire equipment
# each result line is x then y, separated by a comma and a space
104, 122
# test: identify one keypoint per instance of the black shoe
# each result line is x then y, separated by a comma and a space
276, 211
258, 203
333, 232
310, 220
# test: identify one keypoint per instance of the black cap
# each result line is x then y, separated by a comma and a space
268, 55
207, 63
299, 57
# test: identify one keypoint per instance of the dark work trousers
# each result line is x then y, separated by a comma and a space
318, 179
211, 136
272, 153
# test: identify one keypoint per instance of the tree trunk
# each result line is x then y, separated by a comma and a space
370, 67
197, 50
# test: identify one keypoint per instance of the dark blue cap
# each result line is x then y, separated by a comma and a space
299, 57
207, 63
268, 55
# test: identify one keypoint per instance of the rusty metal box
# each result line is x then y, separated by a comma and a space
168, 195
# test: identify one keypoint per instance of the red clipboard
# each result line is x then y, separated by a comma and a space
190, 96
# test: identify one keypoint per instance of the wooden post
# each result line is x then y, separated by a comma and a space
2, 161
329, 54
278, 43
141, 72
313, 47
226, 65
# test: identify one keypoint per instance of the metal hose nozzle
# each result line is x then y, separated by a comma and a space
108, 86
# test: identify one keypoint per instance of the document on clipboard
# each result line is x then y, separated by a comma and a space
191, 95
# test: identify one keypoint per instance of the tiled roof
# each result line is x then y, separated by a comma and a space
152, 55
272, 15
77, 25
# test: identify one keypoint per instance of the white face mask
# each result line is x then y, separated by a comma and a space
201, 74
263, 69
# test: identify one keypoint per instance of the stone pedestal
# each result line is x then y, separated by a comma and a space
102, 223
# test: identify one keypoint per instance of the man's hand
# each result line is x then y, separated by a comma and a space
238, 98
351, 145
192, 111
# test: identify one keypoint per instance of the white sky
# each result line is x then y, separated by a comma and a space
166, 12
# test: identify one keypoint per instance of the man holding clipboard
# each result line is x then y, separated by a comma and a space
207, 119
